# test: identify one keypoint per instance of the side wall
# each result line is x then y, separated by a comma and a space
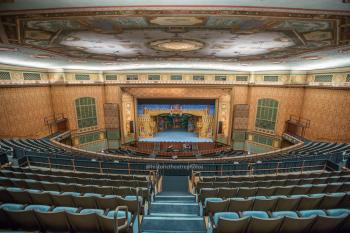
23, 110
329, 113
25, 104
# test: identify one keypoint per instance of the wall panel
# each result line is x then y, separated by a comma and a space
329, 113
22, 111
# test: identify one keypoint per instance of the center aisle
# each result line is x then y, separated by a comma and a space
174, 211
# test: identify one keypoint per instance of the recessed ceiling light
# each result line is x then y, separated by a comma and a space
5, 49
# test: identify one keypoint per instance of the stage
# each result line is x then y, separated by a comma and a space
175, 135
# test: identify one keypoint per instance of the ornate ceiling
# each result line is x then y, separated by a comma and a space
118, 35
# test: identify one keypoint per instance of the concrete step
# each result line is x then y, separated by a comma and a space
173, 224
174, 208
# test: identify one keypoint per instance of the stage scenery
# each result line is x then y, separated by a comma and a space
175, 116
176, 120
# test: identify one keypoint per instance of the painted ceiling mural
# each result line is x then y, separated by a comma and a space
160, 35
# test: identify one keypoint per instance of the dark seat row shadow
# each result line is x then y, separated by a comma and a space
75, 188
269, 183
84, 181
278, 203
80, 174
273, 191
273, 177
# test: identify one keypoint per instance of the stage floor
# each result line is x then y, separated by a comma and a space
175, 136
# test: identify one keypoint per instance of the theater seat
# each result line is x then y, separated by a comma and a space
232, 225
120, 215
11, 206
311, 213
215, 206
55, 220
278, 214
89, 211
225, 215
212, 199
108, 222
256, 214
239, 204
66, 209
261, 223
337, 212
42, 208
325, 224
83, 222
19, 218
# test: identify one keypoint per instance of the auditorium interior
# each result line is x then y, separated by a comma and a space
159, 116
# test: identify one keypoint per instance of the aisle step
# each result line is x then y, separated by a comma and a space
176, 198
173, 224
171, 208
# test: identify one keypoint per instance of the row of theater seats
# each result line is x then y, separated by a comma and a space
274, 190
80, 174
310, 151
46, 218
74, 199
278, 203
269, 183
31, 144
273, 177
306, 221
321, 148
73, 187
85, 181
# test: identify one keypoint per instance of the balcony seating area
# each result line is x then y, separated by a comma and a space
307, 202
79, 202
81, 183
312, 150
46, 218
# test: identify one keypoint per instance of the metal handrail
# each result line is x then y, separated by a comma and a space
179, 160
250, 173
50, 165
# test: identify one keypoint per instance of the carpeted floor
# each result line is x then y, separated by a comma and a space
174, 210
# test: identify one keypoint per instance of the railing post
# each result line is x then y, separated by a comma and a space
50, 165
73, 163
28, 161
128, 168
302, 167
325, 167
278, 166
100, 165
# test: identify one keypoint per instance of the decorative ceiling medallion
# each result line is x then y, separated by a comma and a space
176, 45
176, 21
